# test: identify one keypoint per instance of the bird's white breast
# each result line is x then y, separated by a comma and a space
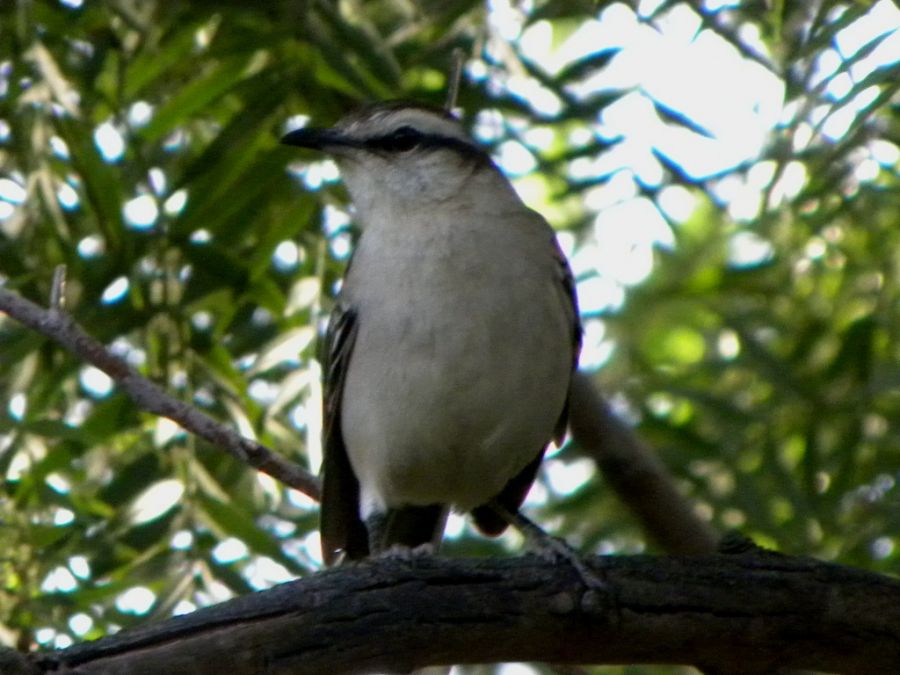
462, 360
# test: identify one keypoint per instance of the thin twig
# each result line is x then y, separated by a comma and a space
58, 288
60, 327
458, 58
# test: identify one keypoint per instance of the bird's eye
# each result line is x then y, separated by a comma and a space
400, 140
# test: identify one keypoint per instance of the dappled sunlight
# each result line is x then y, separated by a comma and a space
59, 580
156, 500
724, 209
11, 191
67, 196
182, 540
17, 406
115, 291
109, 142
141, 212
136, 600
596, 347
262, 572
566, 477
95, 382
80, 624
229, 550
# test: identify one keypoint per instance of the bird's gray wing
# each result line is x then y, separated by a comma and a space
342, 531
566, 284
340, 527
513, 493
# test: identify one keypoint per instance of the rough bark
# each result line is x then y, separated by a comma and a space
747, 612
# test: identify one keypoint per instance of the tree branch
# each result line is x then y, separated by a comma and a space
761, 610
753, 612
60, 327
636, 474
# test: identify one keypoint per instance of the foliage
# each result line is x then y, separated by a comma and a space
207, 255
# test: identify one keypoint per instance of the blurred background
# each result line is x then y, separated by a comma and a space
723, 176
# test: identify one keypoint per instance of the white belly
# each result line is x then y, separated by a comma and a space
453, 390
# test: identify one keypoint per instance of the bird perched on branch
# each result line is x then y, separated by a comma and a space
453, 341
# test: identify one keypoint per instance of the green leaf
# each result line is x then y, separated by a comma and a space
217, 79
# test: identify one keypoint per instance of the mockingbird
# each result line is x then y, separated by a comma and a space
453, 341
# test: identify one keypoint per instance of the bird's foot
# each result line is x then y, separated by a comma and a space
400, 552
554, 549
550, 548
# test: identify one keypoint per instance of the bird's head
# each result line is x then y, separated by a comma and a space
401, 152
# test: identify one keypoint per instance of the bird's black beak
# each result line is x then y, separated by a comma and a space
316, 139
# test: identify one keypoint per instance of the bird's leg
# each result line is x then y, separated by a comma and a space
547, 546
406, 532
376, 527
379, 527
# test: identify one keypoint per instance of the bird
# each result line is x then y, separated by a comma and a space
452, 344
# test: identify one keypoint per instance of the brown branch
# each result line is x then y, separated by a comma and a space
752, 612
60, 327
636, 474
